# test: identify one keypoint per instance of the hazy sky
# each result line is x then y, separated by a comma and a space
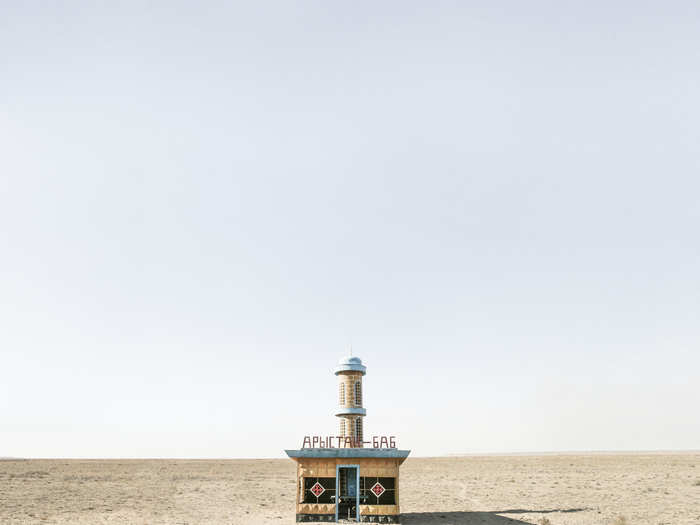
202, 205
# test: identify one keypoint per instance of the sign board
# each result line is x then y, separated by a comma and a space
348, 442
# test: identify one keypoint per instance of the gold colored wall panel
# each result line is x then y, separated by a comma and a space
374, 510
315, 508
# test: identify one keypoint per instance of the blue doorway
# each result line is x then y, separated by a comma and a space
347, 487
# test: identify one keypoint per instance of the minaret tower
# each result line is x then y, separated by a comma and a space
350, 371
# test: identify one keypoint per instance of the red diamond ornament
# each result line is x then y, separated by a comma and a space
377, 489
317, 489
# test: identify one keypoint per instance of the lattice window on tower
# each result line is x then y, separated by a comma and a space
358, 429
358, 393
342, 393
342, 426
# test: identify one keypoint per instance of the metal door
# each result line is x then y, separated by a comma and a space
347, 485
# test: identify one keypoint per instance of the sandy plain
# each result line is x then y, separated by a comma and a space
647, 489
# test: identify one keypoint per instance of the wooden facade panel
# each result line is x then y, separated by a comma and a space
326, 468
375, 510
315, 508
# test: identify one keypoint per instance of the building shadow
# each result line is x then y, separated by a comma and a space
472, 517
530, 511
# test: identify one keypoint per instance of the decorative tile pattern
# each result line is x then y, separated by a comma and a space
377, 489
318, 489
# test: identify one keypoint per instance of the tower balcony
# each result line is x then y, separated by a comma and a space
350, 411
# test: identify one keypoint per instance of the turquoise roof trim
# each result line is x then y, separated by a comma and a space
348, 453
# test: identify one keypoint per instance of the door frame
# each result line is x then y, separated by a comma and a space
357, 492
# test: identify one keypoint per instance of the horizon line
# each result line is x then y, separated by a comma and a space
447, 455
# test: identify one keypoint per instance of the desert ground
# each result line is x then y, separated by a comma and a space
645, 489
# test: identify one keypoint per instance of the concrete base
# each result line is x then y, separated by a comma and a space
316, 518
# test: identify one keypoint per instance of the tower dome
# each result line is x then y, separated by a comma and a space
350, 364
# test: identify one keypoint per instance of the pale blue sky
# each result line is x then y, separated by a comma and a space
202, 205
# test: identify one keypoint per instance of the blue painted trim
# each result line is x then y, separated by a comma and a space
351, 368
351, 411
348, 453
337, 493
